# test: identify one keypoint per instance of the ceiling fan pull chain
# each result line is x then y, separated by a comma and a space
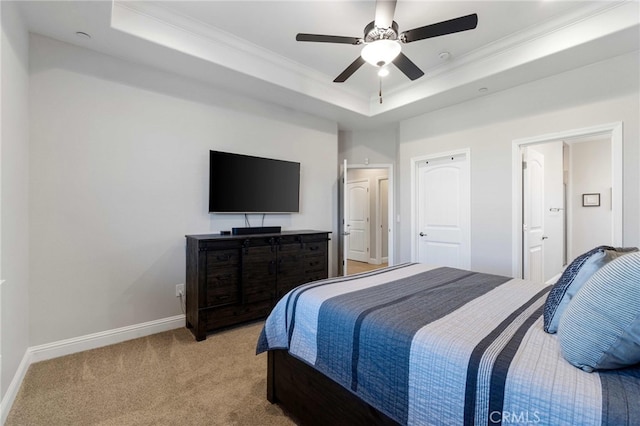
380, 92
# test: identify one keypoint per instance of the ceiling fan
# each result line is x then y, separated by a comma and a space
382, 40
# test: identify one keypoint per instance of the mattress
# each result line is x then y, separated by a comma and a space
445, 346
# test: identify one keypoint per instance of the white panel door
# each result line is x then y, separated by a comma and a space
443, 218
533, 215
358, 220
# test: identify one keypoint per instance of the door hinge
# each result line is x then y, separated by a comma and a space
524, 165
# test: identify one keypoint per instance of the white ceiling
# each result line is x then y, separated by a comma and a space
249, 47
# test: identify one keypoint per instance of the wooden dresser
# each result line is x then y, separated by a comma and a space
233, 279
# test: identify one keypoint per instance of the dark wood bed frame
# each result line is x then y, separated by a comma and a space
311, 398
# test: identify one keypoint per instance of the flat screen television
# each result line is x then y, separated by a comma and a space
246, 184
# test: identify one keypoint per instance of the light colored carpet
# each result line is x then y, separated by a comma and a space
163, 379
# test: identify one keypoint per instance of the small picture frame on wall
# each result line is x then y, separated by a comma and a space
591, 200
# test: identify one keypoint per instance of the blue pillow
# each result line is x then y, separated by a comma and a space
601, 327
573, 278
556, 300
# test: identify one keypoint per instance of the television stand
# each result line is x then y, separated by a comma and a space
256, 230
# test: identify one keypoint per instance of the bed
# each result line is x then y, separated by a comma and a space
414, 344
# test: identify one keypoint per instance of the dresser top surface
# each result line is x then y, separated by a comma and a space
236, 237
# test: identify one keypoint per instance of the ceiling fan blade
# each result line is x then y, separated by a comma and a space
350, 70
384, 13
405, 65
451, 26
320, 38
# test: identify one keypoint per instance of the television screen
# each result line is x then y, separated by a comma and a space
245, 184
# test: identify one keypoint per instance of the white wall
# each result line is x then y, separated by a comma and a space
590, 172
376, 145
14, 214
119, 174
601, 93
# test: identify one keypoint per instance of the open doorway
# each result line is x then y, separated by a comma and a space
567, 198
366, 238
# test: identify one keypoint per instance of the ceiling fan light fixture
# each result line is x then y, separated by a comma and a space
383, 72
382, 40
380, 52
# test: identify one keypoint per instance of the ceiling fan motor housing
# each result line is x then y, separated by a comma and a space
373, 33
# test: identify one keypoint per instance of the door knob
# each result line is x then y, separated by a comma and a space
422, 234
544, 237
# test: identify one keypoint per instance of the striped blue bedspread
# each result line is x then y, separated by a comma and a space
443, 346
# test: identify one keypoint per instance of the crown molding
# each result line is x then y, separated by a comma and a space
516, 41
161, 25
165, 27
582, 26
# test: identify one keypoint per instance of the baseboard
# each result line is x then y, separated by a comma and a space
60, 348
373, 261
14, 387
104, 338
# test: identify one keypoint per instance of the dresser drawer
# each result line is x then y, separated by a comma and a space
222, 259
290, 261
258, 291
316, 276
315, 262
222, 287
316, 247
215, 318
289, 280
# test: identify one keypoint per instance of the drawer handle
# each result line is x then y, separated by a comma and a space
223, 257
224, 297
314, 248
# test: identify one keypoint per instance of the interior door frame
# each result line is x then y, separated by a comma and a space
610, 130
379, 259
391, 205
414, 197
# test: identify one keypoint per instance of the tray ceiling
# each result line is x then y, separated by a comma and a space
249, 47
